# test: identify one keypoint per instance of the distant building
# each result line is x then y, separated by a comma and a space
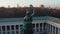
42, 7
8, 6
18, 6
41, 25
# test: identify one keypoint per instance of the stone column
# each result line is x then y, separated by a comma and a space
19, 29
10, 30
14, 29
6, 29
52, 29
39, 27
35, 27
49, 28
58, 31
55, 30
42, 26
1, 30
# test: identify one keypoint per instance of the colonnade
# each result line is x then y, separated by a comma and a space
52, 29
10, 29
37, 28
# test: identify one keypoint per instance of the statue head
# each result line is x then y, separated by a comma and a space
31, 6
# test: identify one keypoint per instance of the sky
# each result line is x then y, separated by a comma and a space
35, 3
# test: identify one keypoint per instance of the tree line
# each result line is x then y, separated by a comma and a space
21, 12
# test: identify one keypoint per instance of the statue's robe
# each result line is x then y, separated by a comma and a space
28, 25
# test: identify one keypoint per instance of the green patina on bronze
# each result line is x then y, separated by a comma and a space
27, 28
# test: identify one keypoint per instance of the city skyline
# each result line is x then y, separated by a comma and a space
35, 3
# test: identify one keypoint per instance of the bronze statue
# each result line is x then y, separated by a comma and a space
28, 22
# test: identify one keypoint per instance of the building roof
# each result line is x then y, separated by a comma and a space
49, 18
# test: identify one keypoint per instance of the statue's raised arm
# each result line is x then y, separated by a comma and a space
33, 12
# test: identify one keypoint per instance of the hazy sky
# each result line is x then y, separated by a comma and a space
52, 3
